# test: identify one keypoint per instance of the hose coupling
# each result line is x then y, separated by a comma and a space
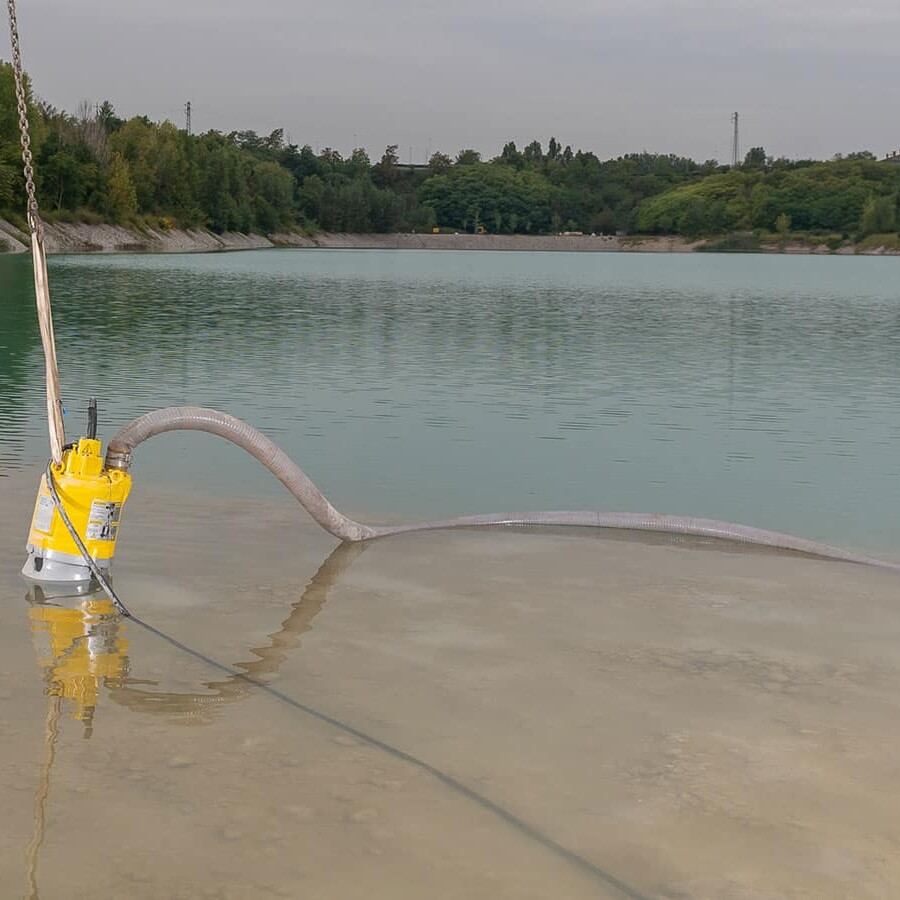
118, 458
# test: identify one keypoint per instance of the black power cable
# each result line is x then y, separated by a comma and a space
89, 560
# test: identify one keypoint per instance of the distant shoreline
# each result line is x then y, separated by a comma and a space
85, 238
508, 242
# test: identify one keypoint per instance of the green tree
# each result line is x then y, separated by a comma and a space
108, 118
12, 181
136, 142
9, 112
273, 190
511, 156
59, 179
533, 155
755, 158
486, 192
171, 188
439, 163
121, 196
359, 165
693, 221
312, 193
387, 171
879, 216
468, 158
783, 226
7, 184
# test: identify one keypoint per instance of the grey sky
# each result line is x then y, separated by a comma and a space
808, 78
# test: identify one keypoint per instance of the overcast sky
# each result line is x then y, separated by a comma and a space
808, 77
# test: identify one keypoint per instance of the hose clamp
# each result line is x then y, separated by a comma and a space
118, 458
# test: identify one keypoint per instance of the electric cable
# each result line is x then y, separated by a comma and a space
89, 560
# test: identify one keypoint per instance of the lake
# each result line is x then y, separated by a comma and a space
479, 715
757, 389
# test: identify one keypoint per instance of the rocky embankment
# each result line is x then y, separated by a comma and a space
84, 238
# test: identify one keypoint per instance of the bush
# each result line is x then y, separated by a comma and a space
879, 216
739, 242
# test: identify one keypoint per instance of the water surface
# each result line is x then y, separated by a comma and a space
497, 715
478, 715
753, 388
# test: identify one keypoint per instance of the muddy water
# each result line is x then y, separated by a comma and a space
445, 715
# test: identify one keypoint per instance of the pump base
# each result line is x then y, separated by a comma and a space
53, 567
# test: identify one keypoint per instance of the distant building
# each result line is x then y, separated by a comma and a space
893, 157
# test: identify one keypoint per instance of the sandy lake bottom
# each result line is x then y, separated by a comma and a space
478, 715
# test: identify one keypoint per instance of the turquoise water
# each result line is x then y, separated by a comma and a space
753, 388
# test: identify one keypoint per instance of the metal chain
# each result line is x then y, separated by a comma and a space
34, 218
38, 252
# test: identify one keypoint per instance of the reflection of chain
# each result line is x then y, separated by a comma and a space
40, 798
34, 219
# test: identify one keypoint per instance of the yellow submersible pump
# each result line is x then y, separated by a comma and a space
91, 495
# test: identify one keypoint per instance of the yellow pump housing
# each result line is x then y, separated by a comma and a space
93, 497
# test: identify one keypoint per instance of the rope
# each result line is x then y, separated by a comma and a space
38, 254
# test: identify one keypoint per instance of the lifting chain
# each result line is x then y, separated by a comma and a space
34, 219
38, 253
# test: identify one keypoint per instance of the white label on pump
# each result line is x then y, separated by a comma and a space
103, 522
43, 516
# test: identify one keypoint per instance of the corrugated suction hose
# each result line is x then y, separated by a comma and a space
195, 418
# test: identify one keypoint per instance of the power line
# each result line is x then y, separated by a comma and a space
187, 117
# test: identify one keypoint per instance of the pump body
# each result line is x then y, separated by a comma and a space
93, 497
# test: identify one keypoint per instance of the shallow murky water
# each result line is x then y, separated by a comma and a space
446, 715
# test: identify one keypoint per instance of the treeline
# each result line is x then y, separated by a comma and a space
849, 197
95, 166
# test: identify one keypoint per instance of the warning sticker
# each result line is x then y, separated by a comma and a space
43, 515
103, 522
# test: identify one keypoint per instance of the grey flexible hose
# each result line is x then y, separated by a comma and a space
195, 418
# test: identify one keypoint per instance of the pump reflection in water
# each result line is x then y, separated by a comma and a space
80, 645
